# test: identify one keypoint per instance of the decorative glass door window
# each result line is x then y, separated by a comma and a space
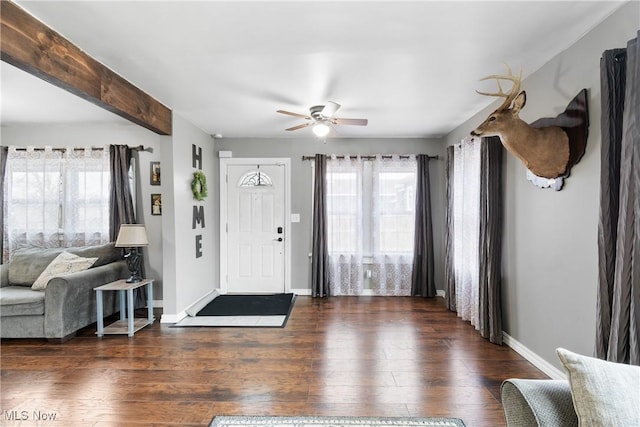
255, 178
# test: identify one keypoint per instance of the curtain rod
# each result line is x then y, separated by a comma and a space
369, 157
138, 148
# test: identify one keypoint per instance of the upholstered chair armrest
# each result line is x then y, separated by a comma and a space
70, 301
544, 403
4, 275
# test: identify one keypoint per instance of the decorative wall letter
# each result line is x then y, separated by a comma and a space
196, 156
198, 245
198, 216
199, 188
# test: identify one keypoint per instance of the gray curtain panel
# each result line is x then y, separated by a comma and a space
121, 202
3, 167
490, 239
422, 281
319, 252
449, 275
618, 304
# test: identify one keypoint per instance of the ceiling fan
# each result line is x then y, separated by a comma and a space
322, 120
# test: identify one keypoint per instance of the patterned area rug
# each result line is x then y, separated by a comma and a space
237, 421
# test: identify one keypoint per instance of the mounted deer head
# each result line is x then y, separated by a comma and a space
544, 151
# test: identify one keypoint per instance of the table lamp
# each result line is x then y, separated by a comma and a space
132, 236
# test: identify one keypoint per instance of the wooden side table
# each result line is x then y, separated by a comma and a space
127, 323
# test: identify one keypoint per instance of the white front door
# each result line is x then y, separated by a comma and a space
255, 228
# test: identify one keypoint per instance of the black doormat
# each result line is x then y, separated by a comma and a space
249, 305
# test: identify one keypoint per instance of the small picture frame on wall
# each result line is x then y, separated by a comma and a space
154, 173
156, 204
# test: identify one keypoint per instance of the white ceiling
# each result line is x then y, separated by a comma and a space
411, 68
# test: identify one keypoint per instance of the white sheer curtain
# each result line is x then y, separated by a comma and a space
393, 222
55, 198
344, 225
32, 198
466, 207
370, 224
85, 212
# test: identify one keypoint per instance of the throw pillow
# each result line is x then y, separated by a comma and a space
65, 263
604, 393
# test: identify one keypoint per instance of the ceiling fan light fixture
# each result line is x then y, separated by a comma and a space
321, 129
321, 119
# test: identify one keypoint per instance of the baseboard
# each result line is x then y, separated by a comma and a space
194, 308
533, 358
172, 318
440, 293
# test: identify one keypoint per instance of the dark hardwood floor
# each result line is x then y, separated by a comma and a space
368, 356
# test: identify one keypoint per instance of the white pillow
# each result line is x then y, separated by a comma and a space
65, 263
604, 393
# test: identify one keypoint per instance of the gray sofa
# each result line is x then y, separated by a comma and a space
597, 393
67, 304
544, 403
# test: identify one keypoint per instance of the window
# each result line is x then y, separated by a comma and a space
371, 206
397, 199
23, 204
56, 198
370, 224
255, 179
343, 210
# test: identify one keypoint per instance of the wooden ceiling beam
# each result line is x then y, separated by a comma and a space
37, 49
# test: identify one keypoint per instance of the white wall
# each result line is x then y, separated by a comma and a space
186, 277
96, 135
301, 191
550, 254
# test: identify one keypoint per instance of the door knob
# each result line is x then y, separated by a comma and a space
279, 239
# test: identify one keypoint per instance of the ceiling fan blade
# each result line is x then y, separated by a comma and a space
355, 122
289, 113
330, 109
304, 125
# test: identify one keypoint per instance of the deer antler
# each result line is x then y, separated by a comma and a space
512, 93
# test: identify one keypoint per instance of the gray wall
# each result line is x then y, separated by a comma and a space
301, 192
187, 277
97, 135
550, 252
179, 278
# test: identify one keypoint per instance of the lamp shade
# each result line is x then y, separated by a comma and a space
321, 129
132, 236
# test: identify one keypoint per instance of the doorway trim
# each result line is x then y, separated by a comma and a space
253, 161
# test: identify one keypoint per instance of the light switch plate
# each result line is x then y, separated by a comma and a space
295, 217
